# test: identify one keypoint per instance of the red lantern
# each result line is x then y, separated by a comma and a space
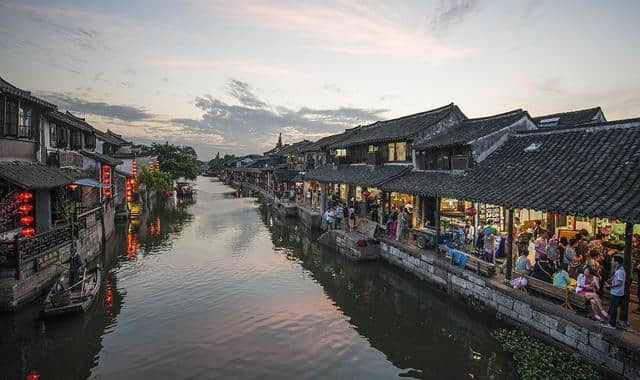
33, 375
25, 196
25, 208
28, 231
27, 219
72, 186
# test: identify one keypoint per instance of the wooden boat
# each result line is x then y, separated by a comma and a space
62, 300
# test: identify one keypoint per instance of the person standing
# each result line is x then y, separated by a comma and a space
616, 289
400, 224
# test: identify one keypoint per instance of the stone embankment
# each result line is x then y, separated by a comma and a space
616, 352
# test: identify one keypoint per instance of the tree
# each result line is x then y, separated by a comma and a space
176, 161
154, 180
217, 163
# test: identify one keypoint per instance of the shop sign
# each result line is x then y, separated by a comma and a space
48, 259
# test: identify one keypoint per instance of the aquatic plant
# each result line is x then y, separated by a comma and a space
537, 360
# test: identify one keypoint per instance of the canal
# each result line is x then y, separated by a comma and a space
224, 288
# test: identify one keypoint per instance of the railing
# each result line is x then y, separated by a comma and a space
25, 255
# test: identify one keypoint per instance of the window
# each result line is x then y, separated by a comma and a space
340, 153
401, 151
25, 122
398, 151
61, 134
76, 140
443, 161
90, 141
11, 121
373, 148
53, 137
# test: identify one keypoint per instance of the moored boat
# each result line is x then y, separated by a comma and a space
73, 299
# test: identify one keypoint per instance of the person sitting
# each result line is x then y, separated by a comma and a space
561, 278
543, 269
588, 286
523, 265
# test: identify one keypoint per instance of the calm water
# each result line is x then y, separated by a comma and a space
225, 289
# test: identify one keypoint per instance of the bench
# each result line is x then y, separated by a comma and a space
568, 296
477, 265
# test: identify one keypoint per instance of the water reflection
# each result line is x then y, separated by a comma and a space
226, 288
416, 327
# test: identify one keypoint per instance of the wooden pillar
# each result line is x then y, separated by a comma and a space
437, 225
423, 209
476, 221
510, 245
551, 224
628, 245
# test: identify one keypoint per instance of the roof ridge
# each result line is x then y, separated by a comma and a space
410, 116
567, 112
594, 127
493, 116
75, 117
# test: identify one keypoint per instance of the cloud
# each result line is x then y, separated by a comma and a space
450, 12
254, 123
241, 91
344, 27
127, 113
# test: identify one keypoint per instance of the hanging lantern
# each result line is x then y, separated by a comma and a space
25, 196
33, 375
27, 219
72, 186
25, 208
157, 165
28, 231
106, 178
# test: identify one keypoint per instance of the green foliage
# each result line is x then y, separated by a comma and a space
65, 207
537, 360
217, 163
180, 162
154, 180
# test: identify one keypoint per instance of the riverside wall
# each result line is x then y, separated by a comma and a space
615, 352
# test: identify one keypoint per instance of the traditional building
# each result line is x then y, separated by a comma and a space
563, 119
385, 148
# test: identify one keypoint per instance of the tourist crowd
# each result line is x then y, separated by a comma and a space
586, 265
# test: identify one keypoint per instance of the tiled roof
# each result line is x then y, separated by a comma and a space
285, 175
471, 129
294, 148
325, 142
103, 158
108, 138
8, 88
118, 137
424, 183
71, 120
396, 129
569, 118
32, 175
357, 174
589, 171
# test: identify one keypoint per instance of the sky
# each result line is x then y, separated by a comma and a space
229, 76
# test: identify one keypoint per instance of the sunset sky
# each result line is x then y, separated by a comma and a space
229, 76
